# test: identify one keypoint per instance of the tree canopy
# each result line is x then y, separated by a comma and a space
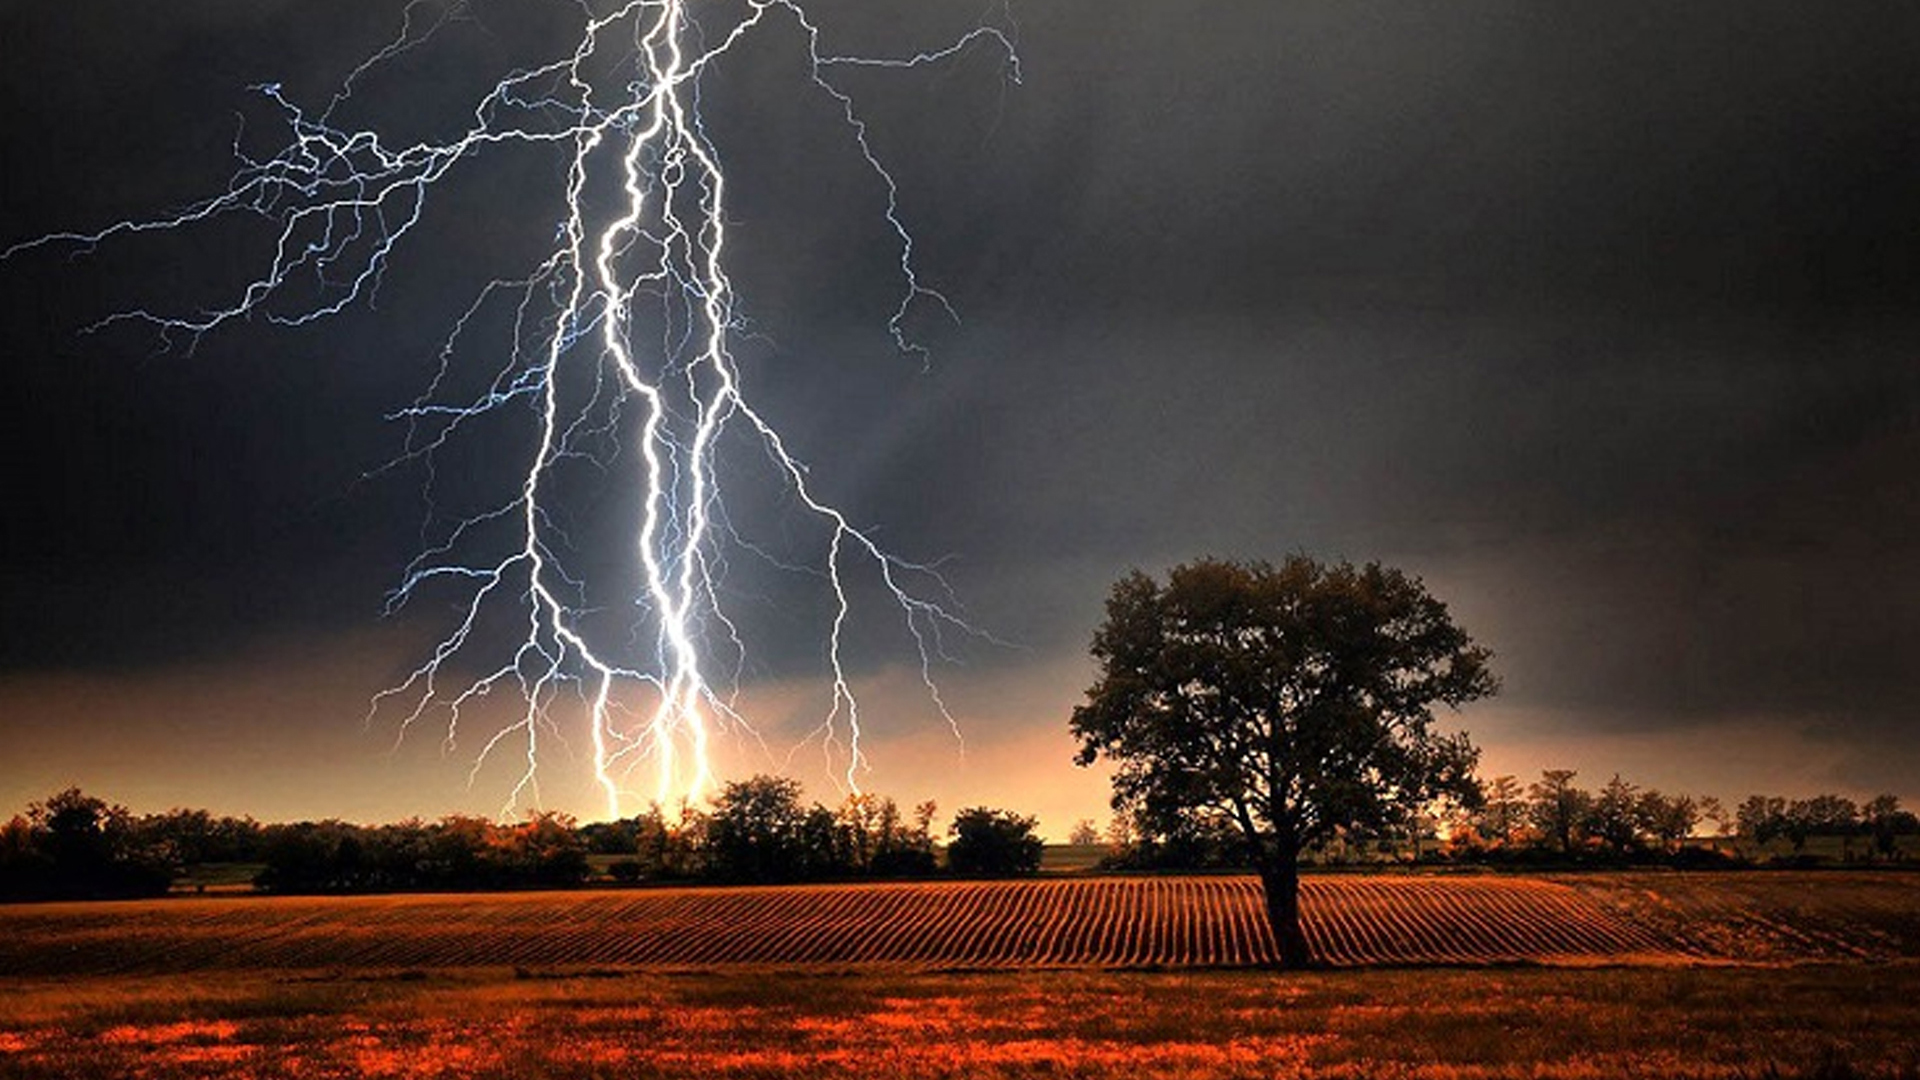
1294, 700
993, 843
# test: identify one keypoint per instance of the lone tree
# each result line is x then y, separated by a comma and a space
1295, 700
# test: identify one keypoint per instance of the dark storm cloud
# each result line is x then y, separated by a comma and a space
1605, 318
1485, 156
178, 496
1620, 305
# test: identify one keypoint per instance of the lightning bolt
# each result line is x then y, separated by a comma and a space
619, 351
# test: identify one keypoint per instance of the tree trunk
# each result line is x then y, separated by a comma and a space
1281, 883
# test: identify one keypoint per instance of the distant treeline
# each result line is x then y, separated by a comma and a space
75, 845
1554, 821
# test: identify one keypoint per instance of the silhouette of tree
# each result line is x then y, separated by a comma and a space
1761, 818
1558, 808
1615, 815
1822, 815
1669, 819
74, 845
993, 843
1886, 822
757, 831
1502, 809
1292, 700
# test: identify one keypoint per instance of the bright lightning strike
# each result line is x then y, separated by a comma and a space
619, 351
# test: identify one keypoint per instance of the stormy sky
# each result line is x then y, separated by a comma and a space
1601, 318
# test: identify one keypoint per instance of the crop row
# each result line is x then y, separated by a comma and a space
1103, 922
1778, 916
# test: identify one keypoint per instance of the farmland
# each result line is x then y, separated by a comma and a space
1200, 921
1083, 922
1442, 976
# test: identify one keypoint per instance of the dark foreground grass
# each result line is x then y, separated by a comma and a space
1833, 1022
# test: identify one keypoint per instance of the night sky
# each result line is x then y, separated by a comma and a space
1603, 319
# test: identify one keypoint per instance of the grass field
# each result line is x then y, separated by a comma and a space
1445, 1024
1682, 975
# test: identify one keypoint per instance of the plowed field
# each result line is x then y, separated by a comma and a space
1772, 916
1085, 922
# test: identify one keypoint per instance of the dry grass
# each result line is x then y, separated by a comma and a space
1835, 1021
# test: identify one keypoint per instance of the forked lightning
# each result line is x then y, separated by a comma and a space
620, 336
